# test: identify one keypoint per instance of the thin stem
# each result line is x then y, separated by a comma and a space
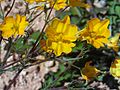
40, 35
58, 14
40, 61
34, 46
10, 8
28, 59
8, 52
34, 7
30, 15
36, 17
12, 63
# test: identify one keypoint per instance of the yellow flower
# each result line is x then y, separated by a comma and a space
58, 4
40, 0
60, 36
96, 32
80, 3
115, 68
89, 72
30, 1
113, 42
13, 26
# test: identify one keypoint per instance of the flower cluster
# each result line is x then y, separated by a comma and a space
96, 32
13, 26
60, 36
60, 4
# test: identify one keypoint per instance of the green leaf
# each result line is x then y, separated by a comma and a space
19, 46
75, 11
35, 35
78, 47
75, 20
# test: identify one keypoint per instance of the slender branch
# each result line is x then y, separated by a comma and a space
17, 61
58, 13
37, 63
11, 64
35, 44
34, 7
8, 52
30, 15
10, 8
39, 37
36, 17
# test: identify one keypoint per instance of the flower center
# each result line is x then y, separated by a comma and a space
59, 37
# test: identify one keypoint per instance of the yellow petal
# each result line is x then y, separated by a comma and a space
75, 3
67, 47
101, 26
58, 4
113, 42
57, 47
30, 1
115, 39
70, 33
66, 20
115, 68
92, 23
98, 44
22, 25
89, 72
